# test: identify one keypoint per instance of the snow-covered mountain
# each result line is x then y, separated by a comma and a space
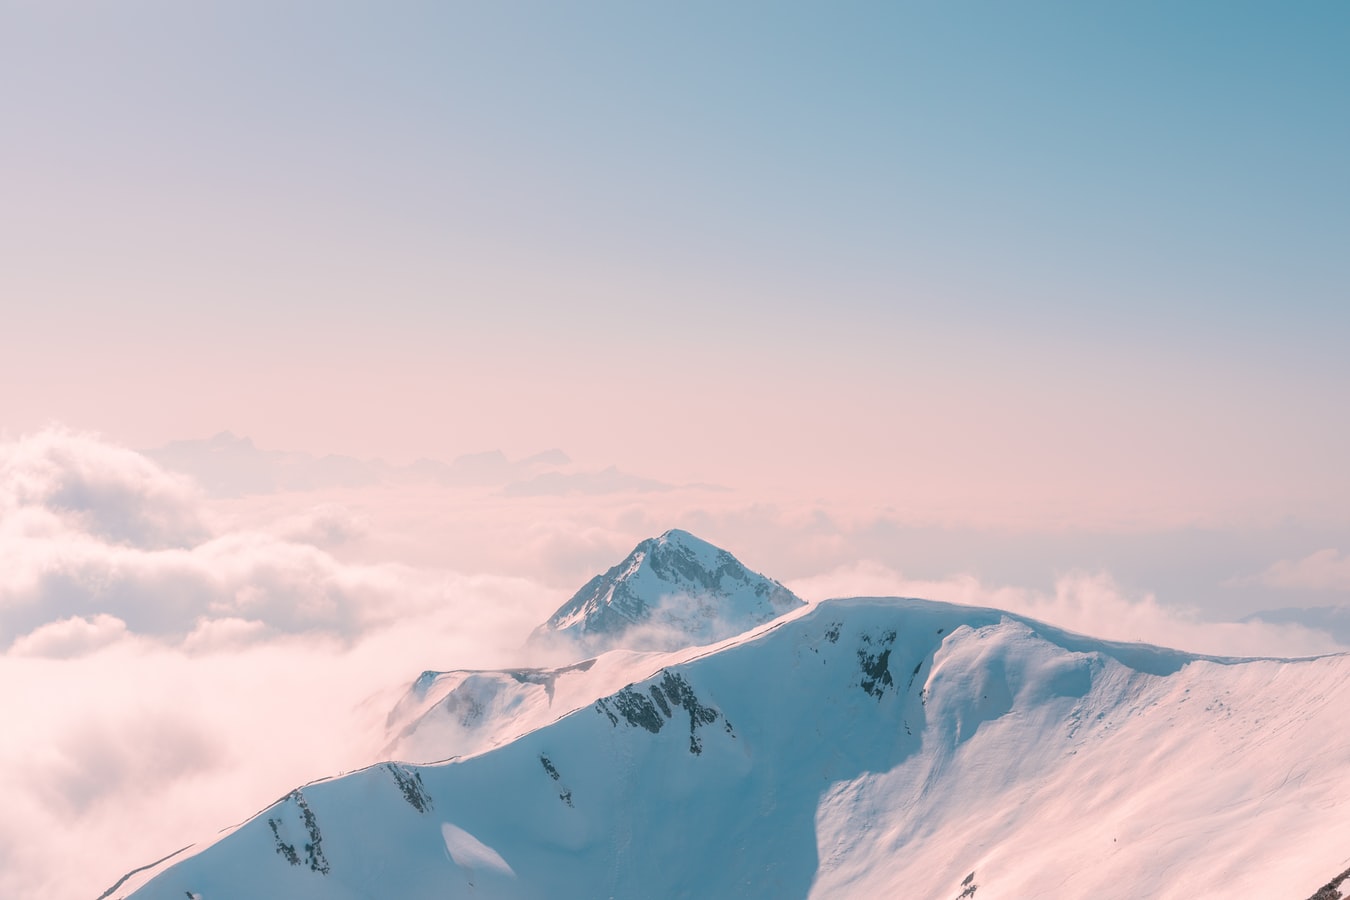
672, 591
865, 747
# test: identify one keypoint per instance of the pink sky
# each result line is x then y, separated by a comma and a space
1014, 307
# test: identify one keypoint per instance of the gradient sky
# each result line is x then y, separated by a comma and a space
1045, 263
1035, 305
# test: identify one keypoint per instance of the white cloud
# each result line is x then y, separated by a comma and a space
290, 586
1325, 570
135, 748
229, 633
98, 488
88, 537
1092, 604
155, 689
75, 636
324, 525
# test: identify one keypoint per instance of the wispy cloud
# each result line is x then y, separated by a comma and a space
227, 465
1325, 570
605, 481
491, 467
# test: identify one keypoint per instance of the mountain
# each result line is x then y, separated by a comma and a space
672, 591
859, 747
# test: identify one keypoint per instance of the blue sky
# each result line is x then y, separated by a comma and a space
1098, 173
1027, 266
1033, 305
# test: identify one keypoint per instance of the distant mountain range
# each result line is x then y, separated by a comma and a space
859, 747
227, 465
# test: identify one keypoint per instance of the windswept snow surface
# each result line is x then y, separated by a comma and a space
672, 591
862, 747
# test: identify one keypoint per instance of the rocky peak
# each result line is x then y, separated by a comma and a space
671, 591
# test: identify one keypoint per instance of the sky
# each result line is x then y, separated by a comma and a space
1037, 305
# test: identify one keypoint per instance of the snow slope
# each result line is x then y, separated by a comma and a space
861, 747
672, 591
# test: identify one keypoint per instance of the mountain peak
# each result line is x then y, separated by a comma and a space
671, 591
678, 537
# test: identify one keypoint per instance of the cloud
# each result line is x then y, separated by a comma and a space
230, 466
325, 525
491, 467
70, 637
96, 538
288, 585
605, 481
157, 684
83, 483
579, 550
140, 746
229, 633
95, 760
1089, 603
1325, 570
1334, 620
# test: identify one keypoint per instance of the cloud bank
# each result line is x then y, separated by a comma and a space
171, 660
97, 541
1325, 570
164, 674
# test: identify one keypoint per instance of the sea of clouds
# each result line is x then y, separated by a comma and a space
173, 659
165, 675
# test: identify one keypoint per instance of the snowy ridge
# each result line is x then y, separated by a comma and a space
868, 746
671, 591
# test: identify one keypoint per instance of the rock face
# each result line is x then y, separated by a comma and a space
672, 591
